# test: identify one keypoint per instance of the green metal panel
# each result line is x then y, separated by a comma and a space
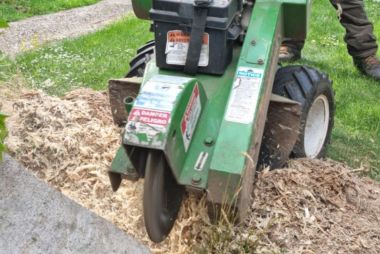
121, 163
156, 110
234, 142
296, 17
206, 134
214, 94
179, 144
216, 157
121, 167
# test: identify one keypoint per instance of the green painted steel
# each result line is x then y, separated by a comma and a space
226, 142
121, 167
234, 144
296, 17
141, 8
121, 163
163, 99
206, 134
214, 91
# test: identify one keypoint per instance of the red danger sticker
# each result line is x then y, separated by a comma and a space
190, 117
177, 36
149, 116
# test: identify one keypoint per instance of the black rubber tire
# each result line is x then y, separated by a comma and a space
149, 44
304, 84
138, 63
162, 197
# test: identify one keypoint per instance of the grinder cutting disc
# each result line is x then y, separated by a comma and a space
162, 197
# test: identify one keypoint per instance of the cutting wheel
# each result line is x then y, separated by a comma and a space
162, 197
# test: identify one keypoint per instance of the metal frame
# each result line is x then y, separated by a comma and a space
230, 149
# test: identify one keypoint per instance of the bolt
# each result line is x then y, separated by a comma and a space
260, 61
196, 179
253, 43
208, 141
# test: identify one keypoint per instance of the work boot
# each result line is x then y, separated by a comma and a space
288, 54
369, 66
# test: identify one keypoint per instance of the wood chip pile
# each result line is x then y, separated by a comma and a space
313, 207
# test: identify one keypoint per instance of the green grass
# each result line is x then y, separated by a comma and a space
85, 62
12, 10
7, 68
356, 135
91, 60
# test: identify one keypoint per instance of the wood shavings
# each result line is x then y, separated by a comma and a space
327, 205
70, 143
311, 207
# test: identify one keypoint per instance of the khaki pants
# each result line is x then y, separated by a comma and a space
360, 40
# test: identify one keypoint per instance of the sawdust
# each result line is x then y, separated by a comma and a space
314, 207
319, 207
311, 207
70, 143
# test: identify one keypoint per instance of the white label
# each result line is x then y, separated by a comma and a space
190, 118
220, 3
151, 132
244, 96
177, 46
158, 95
170, 79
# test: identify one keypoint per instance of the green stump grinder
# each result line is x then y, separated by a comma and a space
206, 103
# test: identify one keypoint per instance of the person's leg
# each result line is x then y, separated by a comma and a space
360, 40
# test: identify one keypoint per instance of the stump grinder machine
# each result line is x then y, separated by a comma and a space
206, 103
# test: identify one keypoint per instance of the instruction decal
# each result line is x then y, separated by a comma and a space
177, 45
190, 117
244, 95
159, 94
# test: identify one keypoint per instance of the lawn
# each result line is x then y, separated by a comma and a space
88, 61
356, 136
12, 10
7, 68
91, 60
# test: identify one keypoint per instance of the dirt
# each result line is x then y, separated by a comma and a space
311, 207
33, 32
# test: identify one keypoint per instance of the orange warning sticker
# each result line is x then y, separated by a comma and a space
177, 46
182, 37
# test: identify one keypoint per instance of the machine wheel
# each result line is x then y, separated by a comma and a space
313, 90
138, 63
162, 197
